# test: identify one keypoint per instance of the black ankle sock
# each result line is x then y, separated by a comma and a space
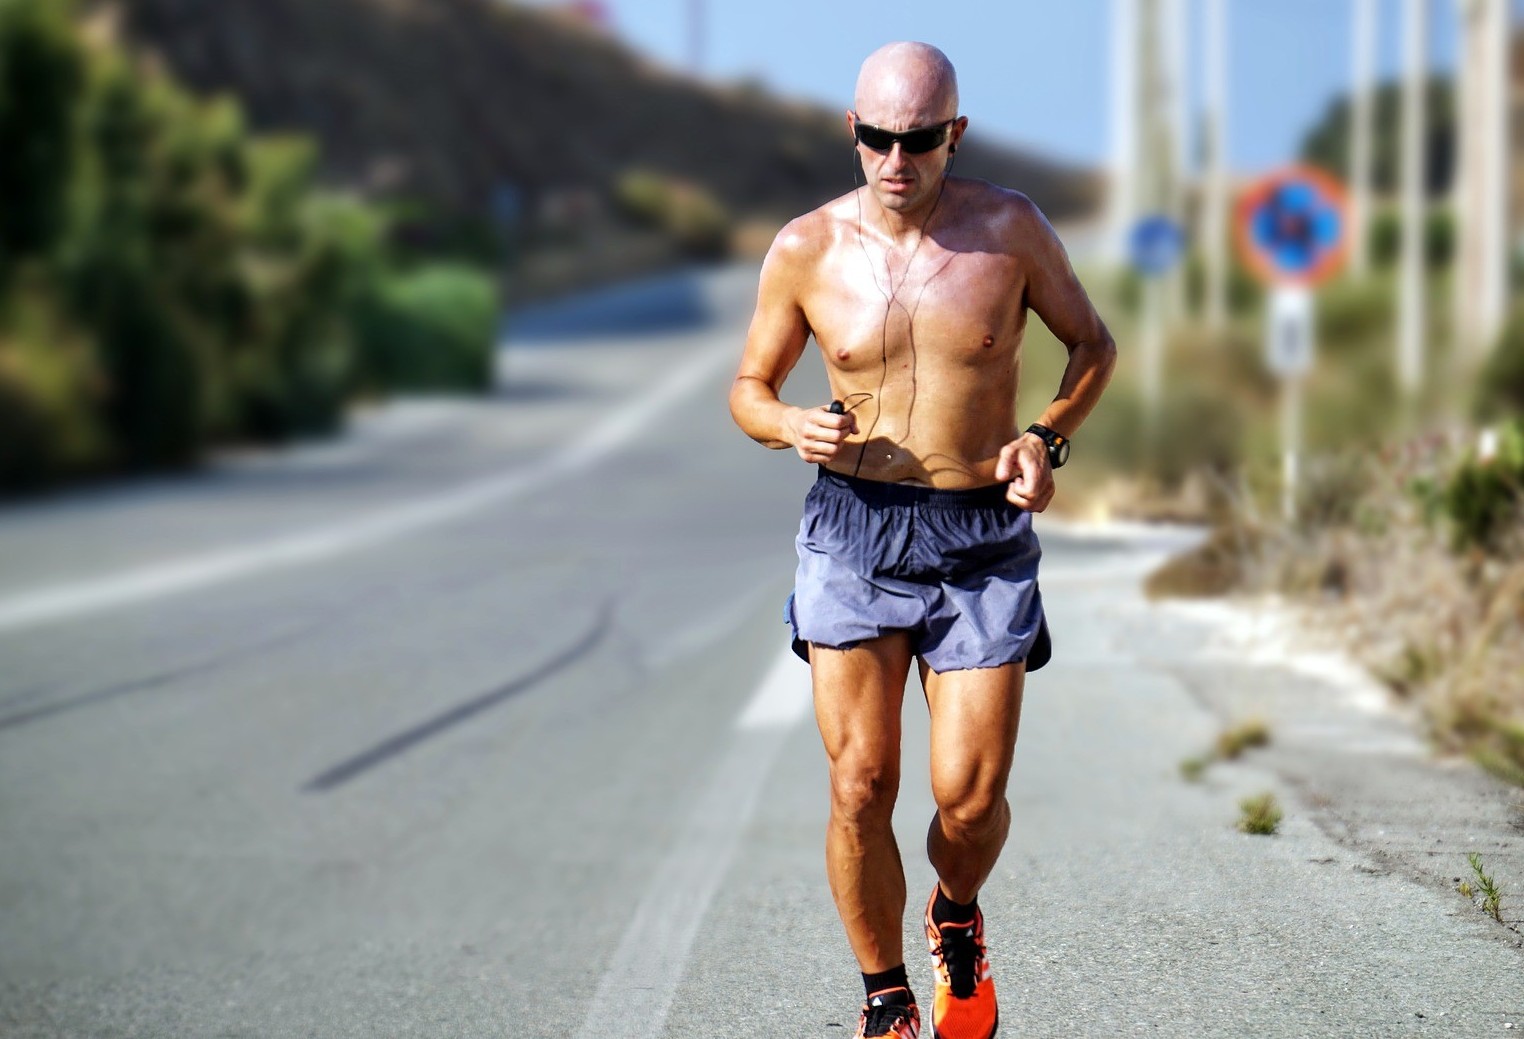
884, 980
944, 910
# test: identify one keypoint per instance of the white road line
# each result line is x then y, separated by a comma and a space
59, 602
641, 979
783, 697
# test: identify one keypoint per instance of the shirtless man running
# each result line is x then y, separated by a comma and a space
916, 540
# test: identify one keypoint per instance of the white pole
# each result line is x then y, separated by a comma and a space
1215, 196
1463, 194
1480, 196
1494, 220
1411, 310
1177, 160
1151, 346
1291, 443
1360, 150
1125, 92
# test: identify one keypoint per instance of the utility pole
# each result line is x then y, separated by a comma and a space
1214, 216
1360, 138
1411, 312
1126, 94
1155, 197
1481, 188
1175, 158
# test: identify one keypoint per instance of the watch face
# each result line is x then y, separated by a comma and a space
1058, 452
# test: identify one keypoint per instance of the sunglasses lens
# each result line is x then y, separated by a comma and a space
873, 137
918, 142
912, 142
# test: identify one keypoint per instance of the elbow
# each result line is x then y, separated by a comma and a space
1109, 352
737, 402
1104, 355
743, 411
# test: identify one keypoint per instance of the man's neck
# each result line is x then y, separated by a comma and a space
906, 226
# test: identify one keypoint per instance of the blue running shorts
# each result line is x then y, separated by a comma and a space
956, 569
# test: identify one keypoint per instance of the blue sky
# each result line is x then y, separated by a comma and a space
1036, 72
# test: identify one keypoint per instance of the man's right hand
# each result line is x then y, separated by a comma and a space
817, 434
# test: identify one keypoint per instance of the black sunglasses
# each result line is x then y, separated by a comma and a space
912, 142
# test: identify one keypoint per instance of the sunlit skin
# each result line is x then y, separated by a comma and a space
931, 381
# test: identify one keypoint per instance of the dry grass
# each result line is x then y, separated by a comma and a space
1445, 631
1232, 742
1260, 815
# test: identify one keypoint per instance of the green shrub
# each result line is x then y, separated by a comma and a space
49, 385
42, 72
168, 281
642, 196
687, 212
432, 329
1500, 391
1385, 236
1483, 497
1351, 312
1244, 292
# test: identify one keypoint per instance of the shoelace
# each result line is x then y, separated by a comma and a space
881, 1018
960, 954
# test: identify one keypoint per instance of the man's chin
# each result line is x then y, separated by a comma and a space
898, 201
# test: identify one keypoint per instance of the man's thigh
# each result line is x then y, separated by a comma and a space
859, 692
975, 714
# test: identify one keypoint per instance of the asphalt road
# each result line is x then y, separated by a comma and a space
480, 722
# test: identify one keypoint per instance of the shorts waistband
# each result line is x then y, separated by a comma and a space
880, 492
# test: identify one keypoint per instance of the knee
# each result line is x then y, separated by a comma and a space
973, 810
863, 791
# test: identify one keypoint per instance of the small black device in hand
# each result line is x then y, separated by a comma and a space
837, 408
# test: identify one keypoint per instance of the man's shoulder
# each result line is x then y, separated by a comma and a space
807, 237
993, 202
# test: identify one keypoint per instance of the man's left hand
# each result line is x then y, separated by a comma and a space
1024, 465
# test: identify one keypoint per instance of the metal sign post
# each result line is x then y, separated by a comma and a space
1293, 234
1155, 247
1289, 350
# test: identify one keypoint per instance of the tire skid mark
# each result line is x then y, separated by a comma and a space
402, 742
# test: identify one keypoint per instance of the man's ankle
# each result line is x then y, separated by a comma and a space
890, 986
945, 911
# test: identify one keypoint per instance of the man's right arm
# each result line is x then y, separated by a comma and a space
774, 344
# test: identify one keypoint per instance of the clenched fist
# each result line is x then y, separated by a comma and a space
1024, 465
817, 434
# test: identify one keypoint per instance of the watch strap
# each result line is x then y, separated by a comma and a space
1058, 444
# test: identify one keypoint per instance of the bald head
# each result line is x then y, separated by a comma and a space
903, 85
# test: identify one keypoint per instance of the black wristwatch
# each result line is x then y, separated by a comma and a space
1058, 444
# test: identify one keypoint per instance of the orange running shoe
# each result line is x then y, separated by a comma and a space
892, 1019
964, 1006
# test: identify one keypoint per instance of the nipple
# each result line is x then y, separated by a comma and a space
843, 355
989, 341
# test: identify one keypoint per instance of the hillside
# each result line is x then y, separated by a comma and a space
454, 100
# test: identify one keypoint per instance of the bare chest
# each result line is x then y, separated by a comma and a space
953, 310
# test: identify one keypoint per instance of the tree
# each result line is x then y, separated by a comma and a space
1327, 144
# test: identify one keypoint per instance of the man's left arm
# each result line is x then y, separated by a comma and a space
1054, 293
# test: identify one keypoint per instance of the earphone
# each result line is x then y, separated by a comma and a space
890, 297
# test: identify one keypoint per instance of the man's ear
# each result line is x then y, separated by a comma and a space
852, 125
956, 134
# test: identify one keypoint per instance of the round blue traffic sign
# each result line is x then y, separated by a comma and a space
1155, 245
